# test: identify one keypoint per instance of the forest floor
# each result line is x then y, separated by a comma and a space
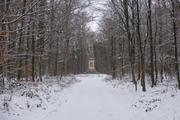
91, 97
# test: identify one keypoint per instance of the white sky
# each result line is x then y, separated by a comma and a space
93, 10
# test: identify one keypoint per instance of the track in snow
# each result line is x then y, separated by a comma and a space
94, 99
91, 99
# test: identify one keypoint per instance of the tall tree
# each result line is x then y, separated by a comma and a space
130, 40
20, 43
173, 2
139, 40
151, 43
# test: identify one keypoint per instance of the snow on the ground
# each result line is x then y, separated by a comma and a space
94, 97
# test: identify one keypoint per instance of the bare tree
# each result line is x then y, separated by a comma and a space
175, 41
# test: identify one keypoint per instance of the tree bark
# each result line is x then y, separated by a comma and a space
175, 42
151, 44
140, 48
130, 41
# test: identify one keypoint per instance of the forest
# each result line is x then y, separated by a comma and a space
141, 38
41, 37
123, 52
137, 37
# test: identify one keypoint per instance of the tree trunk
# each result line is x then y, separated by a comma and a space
41, 33
151, 44
33, 47
175, 42
155, 53
113, 57
130, 41
19, 74
56, 60
140, 48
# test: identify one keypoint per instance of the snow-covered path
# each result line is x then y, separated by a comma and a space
95, 99
92, 99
